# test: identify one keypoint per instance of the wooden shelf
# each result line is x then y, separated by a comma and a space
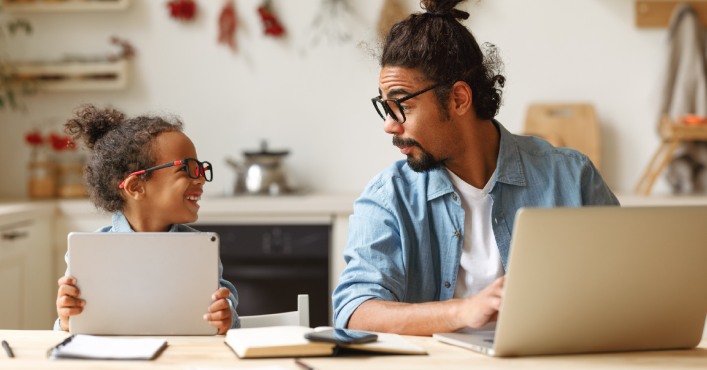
75, 76
657, 13
64, 5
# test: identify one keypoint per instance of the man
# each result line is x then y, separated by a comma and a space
430, 236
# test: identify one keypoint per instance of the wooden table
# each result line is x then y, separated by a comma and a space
30, 347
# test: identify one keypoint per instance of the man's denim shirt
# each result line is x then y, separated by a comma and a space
121, 225
406, 232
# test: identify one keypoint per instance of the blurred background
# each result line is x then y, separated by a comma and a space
308, 90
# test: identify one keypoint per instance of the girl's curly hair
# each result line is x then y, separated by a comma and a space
445, 51
117, 147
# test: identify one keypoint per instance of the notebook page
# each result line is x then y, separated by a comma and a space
95, 347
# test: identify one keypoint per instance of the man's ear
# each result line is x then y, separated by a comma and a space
134, 188
461, 98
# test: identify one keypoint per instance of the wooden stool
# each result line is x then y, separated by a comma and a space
672, 135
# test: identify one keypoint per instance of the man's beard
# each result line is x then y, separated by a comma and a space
426, 161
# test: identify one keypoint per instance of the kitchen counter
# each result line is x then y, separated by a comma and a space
296, 205
284, 205
15, 207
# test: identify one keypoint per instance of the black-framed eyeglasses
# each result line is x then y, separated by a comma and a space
194, 167
393, 107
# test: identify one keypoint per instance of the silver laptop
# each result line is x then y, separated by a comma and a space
144, 283
600, 279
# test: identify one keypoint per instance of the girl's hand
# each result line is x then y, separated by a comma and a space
67, 301
219, 315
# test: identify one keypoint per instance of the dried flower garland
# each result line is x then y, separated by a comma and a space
184, 10
271, 25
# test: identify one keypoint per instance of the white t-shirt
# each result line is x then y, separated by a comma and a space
480, 263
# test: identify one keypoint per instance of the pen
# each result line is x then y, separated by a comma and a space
303, 365
7, 349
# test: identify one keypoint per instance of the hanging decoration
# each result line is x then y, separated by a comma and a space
227, 24
391, 13
333, 22
272, 26
183, 10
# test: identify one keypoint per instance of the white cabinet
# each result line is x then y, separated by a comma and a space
12, 270
74, 215
26, 268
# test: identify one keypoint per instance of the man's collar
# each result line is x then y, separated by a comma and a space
509, 168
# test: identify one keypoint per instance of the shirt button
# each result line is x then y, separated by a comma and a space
447, 284
457, 233
454, 196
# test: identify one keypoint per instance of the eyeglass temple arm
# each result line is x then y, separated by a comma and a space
136, 173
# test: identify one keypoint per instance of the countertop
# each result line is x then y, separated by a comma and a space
314, 204
303, 205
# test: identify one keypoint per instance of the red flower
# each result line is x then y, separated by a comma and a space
182, 9
34, 138
59, 143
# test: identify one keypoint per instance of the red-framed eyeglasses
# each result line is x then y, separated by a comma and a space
194, 168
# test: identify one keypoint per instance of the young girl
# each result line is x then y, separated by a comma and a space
144, 171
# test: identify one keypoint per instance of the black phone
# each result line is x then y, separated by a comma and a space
342, 336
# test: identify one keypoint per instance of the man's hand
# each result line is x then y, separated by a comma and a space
482, 308
219, 315
429, 317
67, 301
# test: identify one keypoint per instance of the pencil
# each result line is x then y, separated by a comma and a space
303, 365
8, 350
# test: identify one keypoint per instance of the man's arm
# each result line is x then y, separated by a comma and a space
429, 317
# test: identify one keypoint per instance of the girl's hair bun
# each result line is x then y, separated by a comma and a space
90, 124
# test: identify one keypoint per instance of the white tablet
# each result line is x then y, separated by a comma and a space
144, 283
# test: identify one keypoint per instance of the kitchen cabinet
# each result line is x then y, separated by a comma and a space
74, 215
26, 267
36, 6
12, 270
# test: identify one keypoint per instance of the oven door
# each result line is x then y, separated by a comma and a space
271, 264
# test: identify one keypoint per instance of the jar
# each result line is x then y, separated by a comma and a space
42, 179
70, 182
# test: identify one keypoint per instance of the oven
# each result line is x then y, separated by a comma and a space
271, 264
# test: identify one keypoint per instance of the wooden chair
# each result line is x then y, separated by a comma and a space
672, 134
570, 125
299, 317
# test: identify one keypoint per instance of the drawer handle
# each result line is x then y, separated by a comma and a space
12, 235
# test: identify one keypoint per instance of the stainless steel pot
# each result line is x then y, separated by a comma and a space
261, 172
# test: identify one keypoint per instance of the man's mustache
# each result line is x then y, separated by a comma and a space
397, 141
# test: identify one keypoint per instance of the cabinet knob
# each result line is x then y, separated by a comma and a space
12, 235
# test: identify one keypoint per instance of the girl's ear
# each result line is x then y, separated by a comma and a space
134, 188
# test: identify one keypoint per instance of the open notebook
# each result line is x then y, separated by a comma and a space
289, 341
81, 346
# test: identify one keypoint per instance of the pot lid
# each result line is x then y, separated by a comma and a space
265, 152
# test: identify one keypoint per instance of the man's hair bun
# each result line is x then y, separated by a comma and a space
444, 8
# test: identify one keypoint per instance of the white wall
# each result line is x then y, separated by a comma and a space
315, 100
